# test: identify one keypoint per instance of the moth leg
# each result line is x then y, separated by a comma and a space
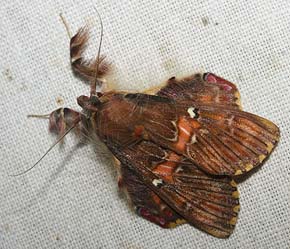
146, 203
62, 119
88, 69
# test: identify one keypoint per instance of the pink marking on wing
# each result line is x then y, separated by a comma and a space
211, 78
145, 213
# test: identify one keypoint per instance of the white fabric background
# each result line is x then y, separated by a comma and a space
71, 199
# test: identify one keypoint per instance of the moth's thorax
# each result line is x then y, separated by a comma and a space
117, 118
128, 118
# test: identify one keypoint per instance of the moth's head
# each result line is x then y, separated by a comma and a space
94, 102
91, 103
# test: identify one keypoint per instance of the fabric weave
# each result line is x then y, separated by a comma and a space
71, 199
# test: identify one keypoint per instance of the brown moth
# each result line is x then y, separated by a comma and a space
178, 146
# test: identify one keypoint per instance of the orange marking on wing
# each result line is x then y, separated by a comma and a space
186, 126
156, 199
213, 116
195, 124
213, 207
206, 98
166, 169
138, 130
185, 131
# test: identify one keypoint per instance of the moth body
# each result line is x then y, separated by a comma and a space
178, 148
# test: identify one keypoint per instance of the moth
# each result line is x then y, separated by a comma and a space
178, 146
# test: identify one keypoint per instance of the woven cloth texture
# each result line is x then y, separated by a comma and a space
71, 200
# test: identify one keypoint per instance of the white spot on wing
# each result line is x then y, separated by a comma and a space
157, 182
203, 131
191, 112
188, 206
193, 139
179, 169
